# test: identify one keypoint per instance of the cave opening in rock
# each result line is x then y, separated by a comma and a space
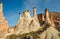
27, 37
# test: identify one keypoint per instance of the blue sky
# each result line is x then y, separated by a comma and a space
11, 8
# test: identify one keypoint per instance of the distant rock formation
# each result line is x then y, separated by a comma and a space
46, 18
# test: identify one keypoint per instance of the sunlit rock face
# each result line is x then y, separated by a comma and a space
34, 25
3, 21
47, 16
27, 23
26, 20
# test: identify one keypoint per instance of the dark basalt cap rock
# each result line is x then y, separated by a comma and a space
34, 8
46, 9
27, 10
19, 13
0, 2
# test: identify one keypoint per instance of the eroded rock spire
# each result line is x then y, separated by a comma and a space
2, 19
48, 18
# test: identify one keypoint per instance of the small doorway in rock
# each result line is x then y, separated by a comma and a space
27, 37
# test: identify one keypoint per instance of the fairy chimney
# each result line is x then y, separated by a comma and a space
3, 21
47, 16
34, 12
20, 17
1, 13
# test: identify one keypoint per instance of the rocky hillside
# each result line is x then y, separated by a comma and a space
55, 14
56, 19
44, 33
